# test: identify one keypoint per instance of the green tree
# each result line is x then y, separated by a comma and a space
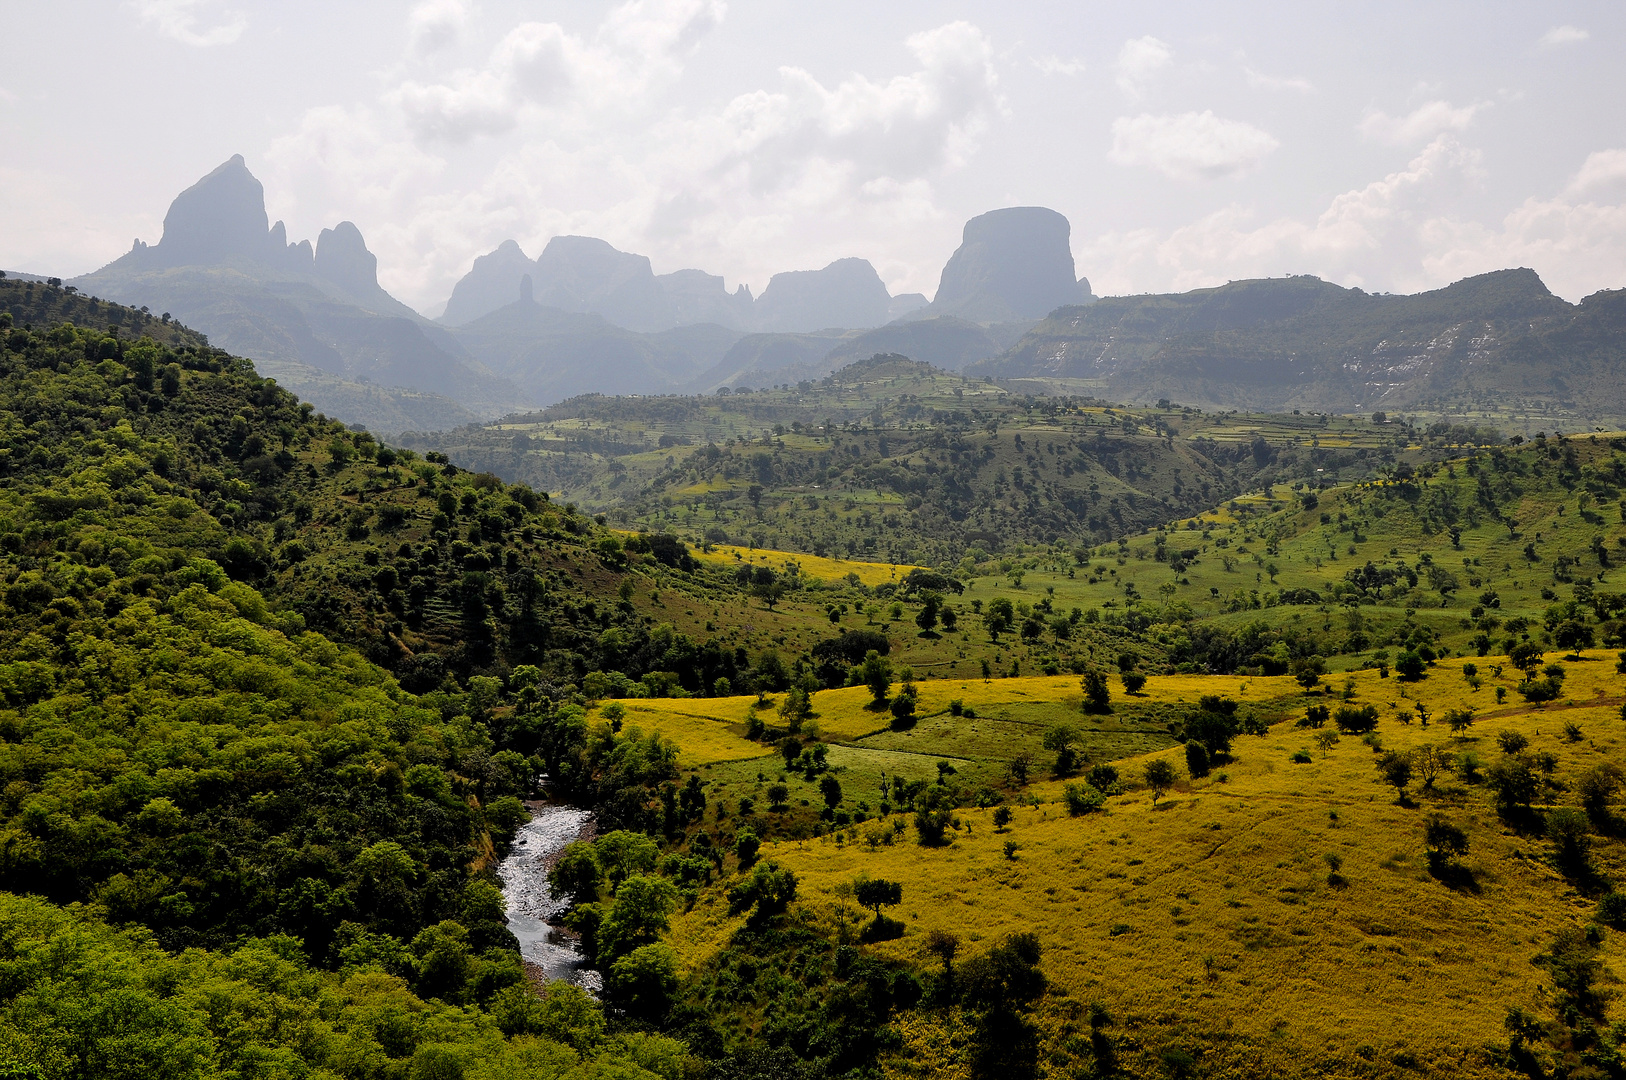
873, 893
1444, 842
639, 916
644, 983
1396, 769
1410, 665
1061, 739
877, 674
1097, 696
1159, 777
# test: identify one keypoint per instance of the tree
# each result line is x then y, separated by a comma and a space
999, 617
1443, 841
1002, 817
1060, 738
931, 603
943, 945
1459, 720
1396, 769
830, 789
766, 893
1097, 697
1515, 783
644, 983
1526, 656
1214, 725
778, 796
639, 917
873, 893
746, 846
1308, 670
1410, 665
1596, 789
577, 873
1133, 682
1568, 829
1196, 759
877, 673
1431, 761
1159, 777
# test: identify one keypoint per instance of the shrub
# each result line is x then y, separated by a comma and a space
1104, 777
1568, 829
1512, 742
1097, 697
1301, 757
1133, 682
1514, 781
1612, 909
1355, 721
1002, 816
1459, 720
1444, 842
1082, 799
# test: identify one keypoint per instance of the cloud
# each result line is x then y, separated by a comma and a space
1189, 146
1139, 60
436, 24
186, 21
1422, 123
1055, 65
1602, 169
1260, 81
1398, 233
542, 65
1564, 35
587, 141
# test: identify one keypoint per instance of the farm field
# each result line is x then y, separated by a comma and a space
1274, 918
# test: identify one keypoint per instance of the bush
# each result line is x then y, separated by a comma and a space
1082, 799
1301, 757
1514, 781
1612, 909
1512, 742
1444, 842
1355, 721
1568, 829
1133, 682
1104, 777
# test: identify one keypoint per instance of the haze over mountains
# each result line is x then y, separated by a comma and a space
584, 317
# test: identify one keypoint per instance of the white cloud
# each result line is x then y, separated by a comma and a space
591, 144
1139, 60
1189, 146
200, 23
1055, 65
436, 24
1399, 233
1564, 35
1260, 81
1422, 123
1602, 169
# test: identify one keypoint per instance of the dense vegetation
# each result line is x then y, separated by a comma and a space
272, 696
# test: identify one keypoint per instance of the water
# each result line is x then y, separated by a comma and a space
532, 907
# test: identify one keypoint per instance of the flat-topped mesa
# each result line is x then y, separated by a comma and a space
1012, 264
847, 293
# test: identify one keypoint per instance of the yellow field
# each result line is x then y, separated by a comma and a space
1210, 918
812, 566
704, 729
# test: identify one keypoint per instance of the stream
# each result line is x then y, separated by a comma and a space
532, 908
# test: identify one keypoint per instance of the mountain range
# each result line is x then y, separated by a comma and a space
583, 317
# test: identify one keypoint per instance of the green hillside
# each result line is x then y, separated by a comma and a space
273, 695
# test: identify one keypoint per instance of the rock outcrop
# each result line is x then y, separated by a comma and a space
847, 293
1012, 265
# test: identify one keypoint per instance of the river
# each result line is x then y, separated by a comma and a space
532, 906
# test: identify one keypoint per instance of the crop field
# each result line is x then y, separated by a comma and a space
1278, 917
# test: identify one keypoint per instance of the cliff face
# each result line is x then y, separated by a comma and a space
1013, 264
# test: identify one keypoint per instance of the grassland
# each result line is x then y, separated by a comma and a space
1216, 921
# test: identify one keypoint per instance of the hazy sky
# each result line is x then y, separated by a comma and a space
1395, 146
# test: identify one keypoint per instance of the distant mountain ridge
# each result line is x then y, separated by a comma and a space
315, 318
1497, 341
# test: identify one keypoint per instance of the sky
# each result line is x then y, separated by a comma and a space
1391, 146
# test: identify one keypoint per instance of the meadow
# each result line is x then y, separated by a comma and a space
1276, 917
